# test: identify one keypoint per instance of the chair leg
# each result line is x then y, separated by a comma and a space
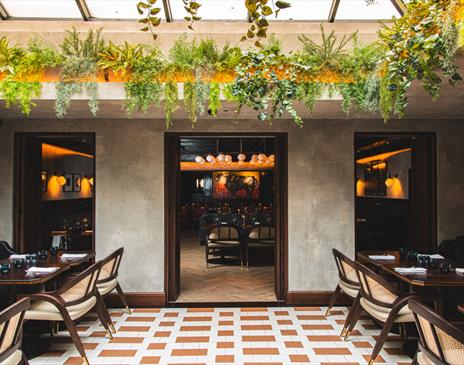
333, 299
75, 337
382, 338
122, 296
353, 320
24, 358
101, 309
350, 316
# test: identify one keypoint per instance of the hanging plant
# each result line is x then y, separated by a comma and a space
194, 99
150, 19
171, 101
421, 45
214, 98
23, 71
79, 70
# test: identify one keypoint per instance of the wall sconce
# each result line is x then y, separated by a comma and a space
61, 179
200, 183
389, 182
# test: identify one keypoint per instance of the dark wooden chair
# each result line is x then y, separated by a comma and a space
108, 280
72, 301
348, 283
440, 343
260, 237
11, 326
222, 241
5, 250
383, 301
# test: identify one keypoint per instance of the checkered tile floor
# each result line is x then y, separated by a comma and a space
225, 336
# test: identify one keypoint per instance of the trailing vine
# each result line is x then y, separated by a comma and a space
171, 101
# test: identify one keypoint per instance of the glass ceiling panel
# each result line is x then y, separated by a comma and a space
305, 10
213, 9
359, 10
118, 9
66, 9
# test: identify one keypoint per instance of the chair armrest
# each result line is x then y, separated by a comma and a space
51, 298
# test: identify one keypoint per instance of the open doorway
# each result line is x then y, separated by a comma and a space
225, 218
54, 191
395, 191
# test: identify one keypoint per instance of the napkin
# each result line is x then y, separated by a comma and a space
411, 270
435, 256
73, 255
460, 270
41, 270
15, 256
382, 257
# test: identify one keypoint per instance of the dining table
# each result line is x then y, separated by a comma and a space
19, 282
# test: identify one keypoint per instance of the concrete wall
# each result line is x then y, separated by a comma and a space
129, 188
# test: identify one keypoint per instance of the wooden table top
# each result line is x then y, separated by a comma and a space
434, 277
21, 277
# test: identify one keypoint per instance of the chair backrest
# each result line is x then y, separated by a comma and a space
440, 341
225, 232
110, 266
11, 323
5, 250
82, 287
375, 288
262, 233
345, 267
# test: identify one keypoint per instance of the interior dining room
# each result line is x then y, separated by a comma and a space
231, 182
226, 218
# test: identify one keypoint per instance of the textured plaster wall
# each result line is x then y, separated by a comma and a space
130, 192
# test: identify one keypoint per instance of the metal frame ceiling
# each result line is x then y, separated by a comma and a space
86, 13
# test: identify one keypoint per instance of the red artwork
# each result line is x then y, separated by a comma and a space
236, 185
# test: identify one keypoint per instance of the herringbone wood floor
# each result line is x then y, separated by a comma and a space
221, 283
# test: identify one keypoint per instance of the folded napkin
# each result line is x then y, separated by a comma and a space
435, 256
15, 256
459, 270
411, 270
73, 255
382, 257
41, 270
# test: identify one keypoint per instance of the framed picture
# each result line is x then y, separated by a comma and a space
68, 186
77, 182
44, 180
236, 185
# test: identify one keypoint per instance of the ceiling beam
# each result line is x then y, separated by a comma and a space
83, 8
167, 10
399, 6
3, 13
333, 10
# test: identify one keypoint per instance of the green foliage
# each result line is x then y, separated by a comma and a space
214, 98
120, 58
194, 99
78, 69
150, 19
171, 101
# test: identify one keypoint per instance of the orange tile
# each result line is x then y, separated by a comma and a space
90, 345
73, 361
150, 360
98, 334
162, 334
284, 322
254, 318
258, 338
307, 309
167, 324
225, 333
195, 328
189, 352
226, 323
134, 328
145, 310
394, 351
82, 328
225, 358
294, 344
190, 339
117, 353
288, 332
198, 319
332, 351
200, 310
127, 340
311, 317
324, 338
156, 346
377, 359
260, 351
140, 319
174, 314
362, 344
226, 314
225, 345
316, 327
54, 353
281, 313
256, 327
255, 309
299, 358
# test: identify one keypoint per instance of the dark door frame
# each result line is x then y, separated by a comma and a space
171, 211
431, 212
18, 186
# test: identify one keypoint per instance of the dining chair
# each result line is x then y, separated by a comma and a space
108, 281
441, 343
347, 283
11, 327
5, 250
221, 240
383, 301
261, 237
69, 303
